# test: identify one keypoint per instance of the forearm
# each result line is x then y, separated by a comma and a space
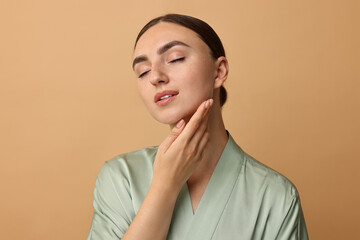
154, 216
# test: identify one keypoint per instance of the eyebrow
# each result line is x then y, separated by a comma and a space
160, 51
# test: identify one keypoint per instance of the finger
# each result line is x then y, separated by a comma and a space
195, 121
175, 132
199, 133
203, 142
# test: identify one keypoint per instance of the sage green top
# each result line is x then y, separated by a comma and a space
243, 200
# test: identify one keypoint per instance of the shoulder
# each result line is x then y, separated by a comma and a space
141, 155
129, 165
268, 181
272, 198
127, 175
257, 178
120, 187
138, 157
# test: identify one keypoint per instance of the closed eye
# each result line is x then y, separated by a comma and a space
143, 74
177, 60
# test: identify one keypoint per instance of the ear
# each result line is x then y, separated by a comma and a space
222, 70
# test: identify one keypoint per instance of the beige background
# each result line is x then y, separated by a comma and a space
69, 102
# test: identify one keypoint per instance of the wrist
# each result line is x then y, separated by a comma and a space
165, 189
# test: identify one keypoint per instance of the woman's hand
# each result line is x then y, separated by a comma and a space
177, 158
181, 152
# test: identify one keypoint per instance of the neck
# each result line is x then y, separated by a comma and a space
215, 147
200, 178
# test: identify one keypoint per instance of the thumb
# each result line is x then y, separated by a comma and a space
175, 132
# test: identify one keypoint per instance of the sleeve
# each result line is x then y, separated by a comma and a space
113, 210
293, 225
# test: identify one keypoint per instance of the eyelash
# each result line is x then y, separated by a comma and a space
142, 74
177, 60
172, 61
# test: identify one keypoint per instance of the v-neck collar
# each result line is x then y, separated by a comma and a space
202, 224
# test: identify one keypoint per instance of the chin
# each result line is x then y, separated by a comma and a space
168, 120
173, 118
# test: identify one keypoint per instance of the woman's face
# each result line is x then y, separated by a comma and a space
175, 72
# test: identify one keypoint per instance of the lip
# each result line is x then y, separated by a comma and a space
166, 100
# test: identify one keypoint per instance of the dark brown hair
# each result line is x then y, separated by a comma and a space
202, 29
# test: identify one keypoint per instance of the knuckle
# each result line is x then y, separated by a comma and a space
196, 124
207, 135
161, 147
174, 134
191, 150
181, 152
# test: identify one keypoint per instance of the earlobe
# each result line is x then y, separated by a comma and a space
222, 70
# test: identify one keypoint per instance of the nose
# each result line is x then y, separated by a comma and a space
158, 76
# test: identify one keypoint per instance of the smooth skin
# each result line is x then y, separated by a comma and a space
197, 138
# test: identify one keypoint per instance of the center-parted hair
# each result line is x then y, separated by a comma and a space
202, 29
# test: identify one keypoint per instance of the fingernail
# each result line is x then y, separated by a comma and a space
180, 123
207, 104
211, 101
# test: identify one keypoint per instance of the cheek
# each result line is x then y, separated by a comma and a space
202, 79
195, 71
144, 94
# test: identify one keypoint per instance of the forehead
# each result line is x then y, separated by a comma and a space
165, 32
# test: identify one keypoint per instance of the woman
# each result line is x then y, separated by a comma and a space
198, 184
